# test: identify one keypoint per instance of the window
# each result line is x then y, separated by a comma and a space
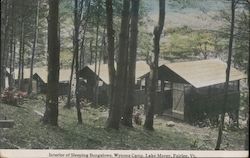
143, 84
100, 83
138, 81
159, 85
167, 85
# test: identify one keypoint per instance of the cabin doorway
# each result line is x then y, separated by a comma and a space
168, 98
178, 100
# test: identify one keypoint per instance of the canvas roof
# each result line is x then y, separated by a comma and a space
141, 68
104, 73
204, 73
42, 72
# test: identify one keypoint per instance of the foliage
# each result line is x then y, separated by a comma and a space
241, 35
25, 11
242, 40
244, 103
12, 96
184, 42
65, 58
145, 44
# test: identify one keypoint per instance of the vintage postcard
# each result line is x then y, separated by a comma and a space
124, 78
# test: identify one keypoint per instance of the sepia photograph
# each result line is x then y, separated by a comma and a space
124, 78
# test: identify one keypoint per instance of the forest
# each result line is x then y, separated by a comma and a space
125, 74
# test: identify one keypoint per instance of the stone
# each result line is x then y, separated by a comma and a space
6, 123
170, 124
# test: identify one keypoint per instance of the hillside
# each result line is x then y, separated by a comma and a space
30, 133
197, 14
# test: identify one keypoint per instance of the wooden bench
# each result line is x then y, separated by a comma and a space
6, 123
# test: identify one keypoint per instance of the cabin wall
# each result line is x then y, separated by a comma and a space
161, 102
140, 97
63, 88
163, 95
25, 84
40, 84
103, 94
208, 102
88, 88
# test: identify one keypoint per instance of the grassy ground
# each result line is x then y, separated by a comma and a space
30, 133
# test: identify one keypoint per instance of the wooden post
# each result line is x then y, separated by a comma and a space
238, 88
6, 123
162, 85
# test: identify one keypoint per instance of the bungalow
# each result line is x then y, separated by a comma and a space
41, 76
192, 90
40, 80
25, 82
89, 79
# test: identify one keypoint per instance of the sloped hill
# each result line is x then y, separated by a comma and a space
30, 133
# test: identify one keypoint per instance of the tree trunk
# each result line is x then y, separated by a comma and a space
96, 58
76, 52
130, 102
70, 82
81, 57
4, 54
82, 52
111, 49
11, 61
4, 36
34, 48
91, 52
119, 94
153, 78
20, 55
1, 70
99, 66
247, 129
11, 79
246, 145
14, 61
222, 116
22, 62
1, 45
51, 112
105, 53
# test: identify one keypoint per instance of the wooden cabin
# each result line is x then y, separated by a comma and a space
89, 81
92, 83
40, 84
40, 80
193, 90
